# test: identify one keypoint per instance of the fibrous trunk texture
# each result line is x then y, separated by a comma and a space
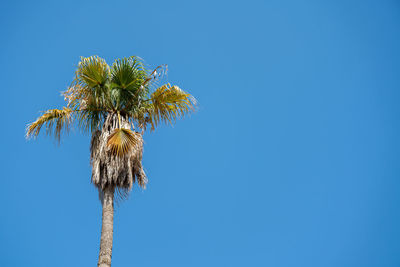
107, 228
109, 170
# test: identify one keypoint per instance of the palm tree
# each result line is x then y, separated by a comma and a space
110, 102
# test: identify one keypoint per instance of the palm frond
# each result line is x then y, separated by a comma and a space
55, 121
92, 71
121, 141
128, 73
90, 84
169, 103
127, 77
75, 96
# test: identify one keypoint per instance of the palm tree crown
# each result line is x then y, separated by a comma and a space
110, 102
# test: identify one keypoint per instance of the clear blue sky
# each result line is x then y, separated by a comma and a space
291, 161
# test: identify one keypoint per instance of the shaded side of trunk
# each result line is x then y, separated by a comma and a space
107, 228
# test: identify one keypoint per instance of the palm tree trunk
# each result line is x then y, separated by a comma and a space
107, 228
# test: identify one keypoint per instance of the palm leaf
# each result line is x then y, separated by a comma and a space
55, 120
90, 85
127, 77
121, 141
74, 97
128, 73
92, 71
169, 103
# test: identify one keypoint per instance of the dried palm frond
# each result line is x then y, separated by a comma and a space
122, 140
156, 74
75, 97
120, 172
55, 121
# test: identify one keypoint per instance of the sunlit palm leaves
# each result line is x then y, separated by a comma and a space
121, 141
126, 87
90, 86
55, 120
168, 104
127, 76
92, 71
128, 73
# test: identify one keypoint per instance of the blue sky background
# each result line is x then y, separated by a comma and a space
291, 160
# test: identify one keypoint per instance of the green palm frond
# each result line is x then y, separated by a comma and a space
128, 73
169, 103
92, 72
55, 121
121, 141
90, 85
127, 77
